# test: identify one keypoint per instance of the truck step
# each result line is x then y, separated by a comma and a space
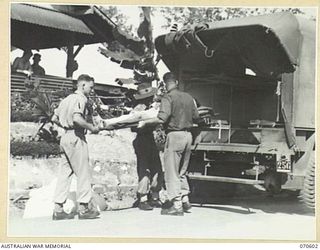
225, 179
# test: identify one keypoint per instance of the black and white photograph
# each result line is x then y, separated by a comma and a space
162, 122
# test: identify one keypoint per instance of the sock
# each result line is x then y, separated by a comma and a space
143, 198
83, 206
185, 199
177, 204
58, 207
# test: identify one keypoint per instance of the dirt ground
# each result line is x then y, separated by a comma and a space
254, 216
221, 211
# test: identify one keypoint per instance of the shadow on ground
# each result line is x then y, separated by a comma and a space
223, 195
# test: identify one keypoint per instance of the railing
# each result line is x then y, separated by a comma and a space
54, 83
47, 83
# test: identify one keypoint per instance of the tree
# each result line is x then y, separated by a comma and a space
192, 15
119, 18
145, 66
130, 53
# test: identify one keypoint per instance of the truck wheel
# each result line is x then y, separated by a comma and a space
307, 194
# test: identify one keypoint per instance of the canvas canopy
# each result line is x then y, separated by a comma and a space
269, 45
279, 47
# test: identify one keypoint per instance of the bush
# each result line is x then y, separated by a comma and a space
22, 109
35, 149
23, 116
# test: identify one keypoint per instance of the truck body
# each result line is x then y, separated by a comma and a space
258, 75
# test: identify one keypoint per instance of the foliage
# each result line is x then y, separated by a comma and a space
120, 51
119, 19
191, 15
33, 148
22, 109
34, 106
145, 68
22, 116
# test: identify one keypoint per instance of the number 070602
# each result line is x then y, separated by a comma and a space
309, 246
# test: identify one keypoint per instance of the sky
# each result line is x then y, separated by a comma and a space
95, 64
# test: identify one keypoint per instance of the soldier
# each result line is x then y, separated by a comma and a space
36, 68
71, 115
148, 161
177, 112
22, 64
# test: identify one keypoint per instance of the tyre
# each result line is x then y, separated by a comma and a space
307, 194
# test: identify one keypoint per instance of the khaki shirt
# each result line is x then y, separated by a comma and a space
178, 110
38, 70
72, 104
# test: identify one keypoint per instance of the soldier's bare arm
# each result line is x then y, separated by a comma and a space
55, 119
151, 121
164, 113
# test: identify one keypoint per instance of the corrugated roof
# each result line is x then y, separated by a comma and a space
48, 17
35, 26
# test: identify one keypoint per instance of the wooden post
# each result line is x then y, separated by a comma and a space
70, 59
77, 51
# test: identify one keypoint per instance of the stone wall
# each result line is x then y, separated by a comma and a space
112, 161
